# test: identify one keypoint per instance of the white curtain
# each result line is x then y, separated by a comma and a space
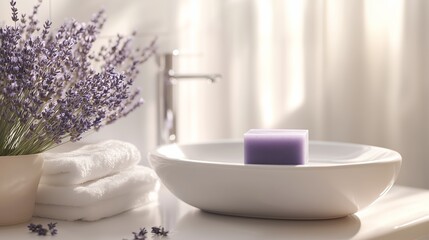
350, 71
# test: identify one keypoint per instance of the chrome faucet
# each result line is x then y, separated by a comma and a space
166, 110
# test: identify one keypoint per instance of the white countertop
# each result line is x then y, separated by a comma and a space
403, 213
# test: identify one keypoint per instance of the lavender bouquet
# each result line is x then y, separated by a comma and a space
54, 87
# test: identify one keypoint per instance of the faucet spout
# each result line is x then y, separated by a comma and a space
211, 77
167, 114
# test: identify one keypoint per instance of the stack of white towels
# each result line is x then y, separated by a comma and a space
94, 182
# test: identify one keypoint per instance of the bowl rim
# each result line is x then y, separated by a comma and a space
393, 156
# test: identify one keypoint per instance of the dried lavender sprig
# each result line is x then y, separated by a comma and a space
159, 231
42, 231
141, 235
52, 227
50, 91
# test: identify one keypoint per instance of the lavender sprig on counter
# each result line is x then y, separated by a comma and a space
41, 231
157, 231
52, 227
54, 87
141, 235
160, 231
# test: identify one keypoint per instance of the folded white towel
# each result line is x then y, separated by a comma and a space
98, 210
137, 179
88, 163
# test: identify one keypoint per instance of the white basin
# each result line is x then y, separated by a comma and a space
339, 180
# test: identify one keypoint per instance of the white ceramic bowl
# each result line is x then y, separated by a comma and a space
340, 179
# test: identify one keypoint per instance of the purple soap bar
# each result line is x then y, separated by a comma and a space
276, 146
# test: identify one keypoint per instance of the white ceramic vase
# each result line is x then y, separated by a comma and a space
19, 179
